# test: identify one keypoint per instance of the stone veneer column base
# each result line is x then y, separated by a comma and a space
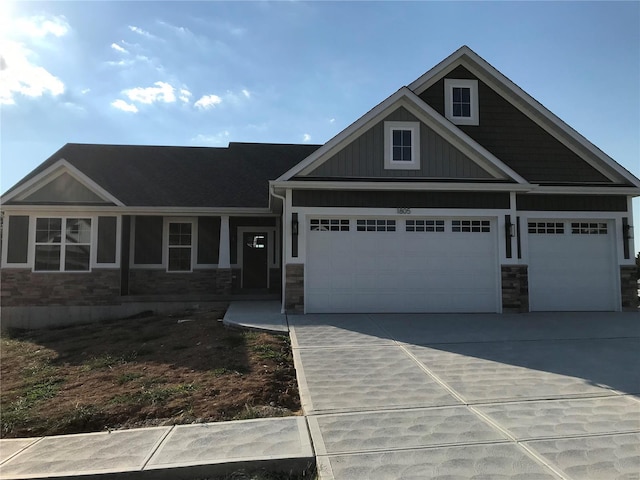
294, 288
515, 288
224, 281
629, 287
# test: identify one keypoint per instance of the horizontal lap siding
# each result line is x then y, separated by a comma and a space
397, 199
364, 157
572, 203
515, 139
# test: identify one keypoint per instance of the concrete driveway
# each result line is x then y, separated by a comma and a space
530, 396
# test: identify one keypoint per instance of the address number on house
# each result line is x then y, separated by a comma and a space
404, 211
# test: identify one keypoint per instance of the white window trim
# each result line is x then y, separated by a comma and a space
93, 243
449, 85
166, 246
389, 163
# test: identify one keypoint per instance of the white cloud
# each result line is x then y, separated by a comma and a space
215, 139
185, 95
208, 101
332, 120
84, 91
19, 76
40, 26
124, 106
306, 137
161, 92
118, 48
246, 93
140, 31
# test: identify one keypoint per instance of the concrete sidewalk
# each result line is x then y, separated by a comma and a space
537, 396
256, 315
179, 452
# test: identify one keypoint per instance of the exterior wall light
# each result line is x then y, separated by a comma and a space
510, 228
294, 225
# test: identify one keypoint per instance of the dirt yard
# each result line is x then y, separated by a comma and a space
142, 372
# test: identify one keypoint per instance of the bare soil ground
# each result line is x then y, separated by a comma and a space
158, 370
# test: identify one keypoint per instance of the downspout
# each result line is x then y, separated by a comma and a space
283, 241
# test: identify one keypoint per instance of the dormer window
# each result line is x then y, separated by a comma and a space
461, 101
402, 145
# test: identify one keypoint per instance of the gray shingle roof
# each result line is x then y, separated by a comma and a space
146, 176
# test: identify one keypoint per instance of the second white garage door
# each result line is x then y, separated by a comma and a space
571, 266
397, 265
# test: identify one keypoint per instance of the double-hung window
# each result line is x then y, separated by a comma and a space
402, 145
180, 246
63, 244
461, 101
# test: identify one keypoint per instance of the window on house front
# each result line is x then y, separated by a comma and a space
461, 101
401, 148
402, 145
62, 244
180, 247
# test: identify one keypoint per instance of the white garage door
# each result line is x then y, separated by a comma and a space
398, 265
571, 266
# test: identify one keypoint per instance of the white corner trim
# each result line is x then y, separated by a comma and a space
58, 168
389, 162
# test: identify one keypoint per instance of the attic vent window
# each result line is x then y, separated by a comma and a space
402, 145
461, 101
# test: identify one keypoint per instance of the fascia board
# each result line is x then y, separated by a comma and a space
327, 150
630, 191
408, 186
58, 168
174, 211
433, 74
528, 105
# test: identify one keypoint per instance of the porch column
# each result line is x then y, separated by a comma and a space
224, 276
224, 254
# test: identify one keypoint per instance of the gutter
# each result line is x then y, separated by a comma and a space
283, 241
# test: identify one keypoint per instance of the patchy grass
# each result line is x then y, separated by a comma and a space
141, 372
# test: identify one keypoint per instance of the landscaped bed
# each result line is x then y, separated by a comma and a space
157, 370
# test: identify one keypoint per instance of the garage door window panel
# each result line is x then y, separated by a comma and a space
372, 225
553, 228
471, 226
590, 228
424, 226
328, 225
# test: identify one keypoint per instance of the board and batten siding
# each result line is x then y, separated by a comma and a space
514, 138
364, 157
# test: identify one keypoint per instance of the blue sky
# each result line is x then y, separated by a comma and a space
206, 73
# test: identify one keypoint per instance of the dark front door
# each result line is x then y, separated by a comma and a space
254, 260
